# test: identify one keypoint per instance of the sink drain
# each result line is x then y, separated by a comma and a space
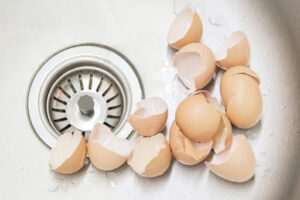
80, 86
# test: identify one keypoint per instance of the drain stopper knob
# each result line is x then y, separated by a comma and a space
86, 105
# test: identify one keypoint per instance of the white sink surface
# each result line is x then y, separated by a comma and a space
32, 30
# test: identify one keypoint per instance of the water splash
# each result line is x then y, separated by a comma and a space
217, 20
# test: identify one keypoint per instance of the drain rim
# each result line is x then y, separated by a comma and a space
39, 128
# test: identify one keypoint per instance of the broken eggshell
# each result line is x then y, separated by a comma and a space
223, 138
234, 51
186, 151
151, 156
241, 96
150, 117
106, 150
195, 65
198, 118
69, 153
237, 163
185, 29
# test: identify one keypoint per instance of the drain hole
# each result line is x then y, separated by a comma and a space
91, 82
80, 81
99, 85
107, 90
110, 126
64, 92
65, 128
60, 120
114, 107
59, 100
112, 98
58, 110
72, 86
113, 116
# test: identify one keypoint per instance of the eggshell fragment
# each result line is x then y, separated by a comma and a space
197, 118
236, 164
151, 156
234, 51
185, 29
241, 96
186, 151
150, 117
69, 153
106, 150
223, 138
195, 65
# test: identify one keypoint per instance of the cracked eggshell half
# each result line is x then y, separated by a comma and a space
151, 156
197, 118
223, 138
234, 51
237, 163
195, 65
186, 151
241, 96
185, 29
69, 153
150, 117
106, 150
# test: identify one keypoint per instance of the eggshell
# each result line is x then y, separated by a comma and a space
69, 153
106, 150
197, 118
241, 96
150, 117
234, 51
185, 29
236, 164
151, 156
223, 138
186, 151
195, 65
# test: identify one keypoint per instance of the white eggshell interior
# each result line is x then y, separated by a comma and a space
102, 135
187, 64
145, 151
181, 25
64, 148
231, 41
150, 106
225, 155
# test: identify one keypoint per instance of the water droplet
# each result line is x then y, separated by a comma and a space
217, 20
283, 107
113, 184
266, 169
262, 152
271, 132
21, 168
52, 188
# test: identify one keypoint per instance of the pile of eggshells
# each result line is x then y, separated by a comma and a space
202, 125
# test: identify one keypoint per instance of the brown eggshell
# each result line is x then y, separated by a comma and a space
195, 65
151, 156
241, 96
150, 117
69, 153
197, 118
236, 164
223, 138
186, 151
234, 51
185, 29
106, 150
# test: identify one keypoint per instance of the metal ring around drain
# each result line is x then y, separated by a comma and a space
92, 73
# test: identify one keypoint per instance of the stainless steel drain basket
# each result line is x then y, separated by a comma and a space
80, 86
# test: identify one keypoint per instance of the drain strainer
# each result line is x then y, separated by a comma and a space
80, 86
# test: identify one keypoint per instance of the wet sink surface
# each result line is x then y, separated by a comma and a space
33, 30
